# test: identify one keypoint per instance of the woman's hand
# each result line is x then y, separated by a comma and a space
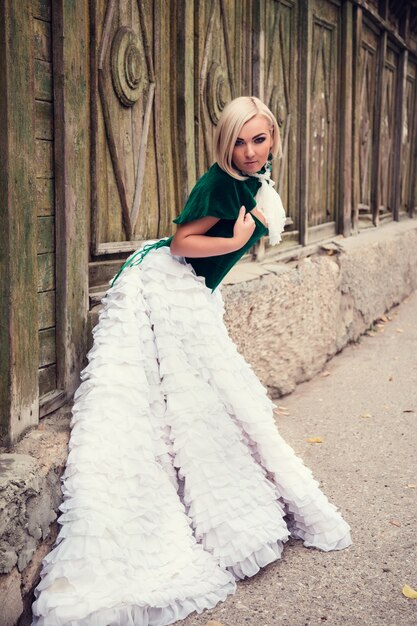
191, 241
244, 227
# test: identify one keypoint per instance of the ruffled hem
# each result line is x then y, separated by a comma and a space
177, 482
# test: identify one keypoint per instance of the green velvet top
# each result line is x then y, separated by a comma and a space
219, 195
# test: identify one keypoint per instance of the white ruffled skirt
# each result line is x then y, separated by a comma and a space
177, 482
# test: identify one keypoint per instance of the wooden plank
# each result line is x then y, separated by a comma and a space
304, 133
324, 113
42, 40
47, 347
71, 28
51, 402
18, 297
380, 95
184, 144
357, 46
344, 214
44, 200
43, 80
46, 272
46, 235
321, 232
42, 9
409, 192
44, 120
400, 113
47, 380
46, 309
100, 272
44, 158
277, 30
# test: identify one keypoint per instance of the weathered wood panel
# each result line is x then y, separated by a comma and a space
46, 272
42, 40
42, 9
409, 141
43, 80
344, 167
71, 44
279, 88
44, 158
18, 298
45, 201
388, 129
46, 309
47, 380
44, 197
132, 175
304, 114
44, 120
219, 71
47, 347
46, 234
324, 117
366, 111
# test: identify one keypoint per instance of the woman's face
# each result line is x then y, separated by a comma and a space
253, 145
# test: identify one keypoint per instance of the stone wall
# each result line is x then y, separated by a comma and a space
30, 494
287, 319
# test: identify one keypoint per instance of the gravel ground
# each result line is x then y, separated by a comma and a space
364, 407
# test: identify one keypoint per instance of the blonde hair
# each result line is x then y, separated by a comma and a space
235, 114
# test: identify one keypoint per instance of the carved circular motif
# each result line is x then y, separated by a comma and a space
126, 64
218, 92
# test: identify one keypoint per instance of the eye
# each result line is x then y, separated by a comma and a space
239, 142
260, 139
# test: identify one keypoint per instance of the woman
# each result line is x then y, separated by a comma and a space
177, 482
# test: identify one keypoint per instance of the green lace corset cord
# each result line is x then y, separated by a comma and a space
219, 195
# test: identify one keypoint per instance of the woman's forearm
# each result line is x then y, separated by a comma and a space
195, 246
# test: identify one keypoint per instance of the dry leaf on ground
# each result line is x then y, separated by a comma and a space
409, 592
325, 373
394, 522
314, 440
365, 415
281, 410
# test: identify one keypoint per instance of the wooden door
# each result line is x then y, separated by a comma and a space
222, 62
133, 195
409, 139
51, 383
368, 57
386, 180
324, 135
277, 78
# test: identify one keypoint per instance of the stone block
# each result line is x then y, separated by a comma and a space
288, 323
11, 605
30, 491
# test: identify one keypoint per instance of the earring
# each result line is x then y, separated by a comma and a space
270, 156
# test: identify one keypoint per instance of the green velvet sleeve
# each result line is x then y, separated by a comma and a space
219, 195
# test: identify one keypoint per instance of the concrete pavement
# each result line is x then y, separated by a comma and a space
364, 407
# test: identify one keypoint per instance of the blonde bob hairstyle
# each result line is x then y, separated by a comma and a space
235, 114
